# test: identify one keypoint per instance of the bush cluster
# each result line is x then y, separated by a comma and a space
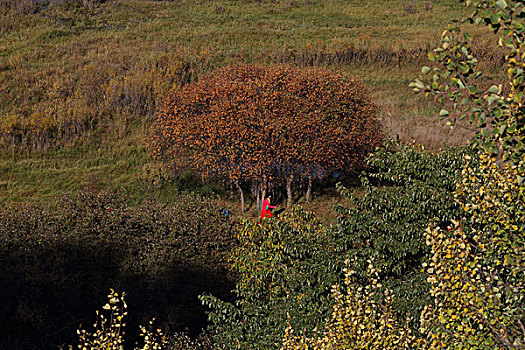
287, 267
405, 189
59, 261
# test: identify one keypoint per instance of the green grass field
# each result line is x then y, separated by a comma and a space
79, 86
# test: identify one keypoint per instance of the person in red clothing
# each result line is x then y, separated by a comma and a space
266, 212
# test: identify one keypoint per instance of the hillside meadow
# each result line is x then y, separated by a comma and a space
90, 78
387, 254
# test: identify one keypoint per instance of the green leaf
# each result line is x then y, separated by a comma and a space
492, 98
494, 19
443, 113
464, 68
502, 4
493, 89
466, 101
425, 70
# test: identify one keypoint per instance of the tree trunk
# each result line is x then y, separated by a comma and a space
257, 193
263, 191
241, 194
309, 190
289, 180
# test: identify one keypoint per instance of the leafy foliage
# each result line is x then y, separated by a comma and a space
286, 269
362, 318
387, 224
477, 270
263, 125
497, 110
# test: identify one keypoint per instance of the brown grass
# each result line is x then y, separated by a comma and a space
79, 76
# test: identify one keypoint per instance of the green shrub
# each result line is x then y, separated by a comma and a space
406, 189
286, 269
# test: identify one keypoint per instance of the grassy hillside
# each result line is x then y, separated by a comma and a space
90, 78
80, 84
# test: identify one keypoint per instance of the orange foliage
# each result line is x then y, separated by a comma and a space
262, 124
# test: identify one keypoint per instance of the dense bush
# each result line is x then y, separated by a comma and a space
264, 125
406, 189
362, 318
286, 269
59, 262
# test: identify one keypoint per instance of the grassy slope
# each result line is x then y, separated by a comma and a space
65, 48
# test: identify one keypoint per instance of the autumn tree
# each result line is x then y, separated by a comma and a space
267, 126
477, 266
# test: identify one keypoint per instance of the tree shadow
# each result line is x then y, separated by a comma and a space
49, 288
173, 298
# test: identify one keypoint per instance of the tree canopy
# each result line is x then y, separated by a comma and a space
266, 125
